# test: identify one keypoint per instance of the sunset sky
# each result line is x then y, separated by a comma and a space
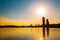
25, 12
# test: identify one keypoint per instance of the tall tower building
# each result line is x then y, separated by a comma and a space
47, 23
43, 22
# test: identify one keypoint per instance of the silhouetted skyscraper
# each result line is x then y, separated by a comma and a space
47, 23
43, 21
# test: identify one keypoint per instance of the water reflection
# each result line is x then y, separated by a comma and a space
28, 33
26, 37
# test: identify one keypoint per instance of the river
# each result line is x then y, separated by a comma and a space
54, 33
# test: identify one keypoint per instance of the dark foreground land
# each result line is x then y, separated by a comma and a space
31, 26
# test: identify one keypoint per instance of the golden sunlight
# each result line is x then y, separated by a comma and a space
41, 11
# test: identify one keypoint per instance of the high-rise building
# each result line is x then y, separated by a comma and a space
43, 22
47, 23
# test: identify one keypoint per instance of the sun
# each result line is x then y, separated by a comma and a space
41, 11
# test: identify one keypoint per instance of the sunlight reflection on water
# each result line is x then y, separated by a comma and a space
54, 33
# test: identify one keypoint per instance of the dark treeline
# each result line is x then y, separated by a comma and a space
31, 26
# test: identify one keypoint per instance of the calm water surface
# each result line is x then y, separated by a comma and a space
54, 33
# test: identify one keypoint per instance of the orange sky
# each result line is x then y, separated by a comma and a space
7, 21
